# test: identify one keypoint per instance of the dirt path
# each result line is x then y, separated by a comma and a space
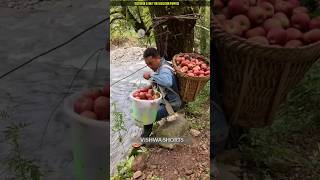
185, 161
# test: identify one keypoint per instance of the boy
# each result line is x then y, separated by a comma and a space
164, 77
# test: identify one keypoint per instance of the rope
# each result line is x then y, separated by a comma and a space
128, 76
66, 94
54, 48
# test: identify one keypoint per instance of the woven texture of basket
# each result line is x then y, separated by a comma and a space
257, 78
189, 86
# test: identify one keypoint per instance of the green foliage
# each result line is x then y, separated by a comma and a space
202, 32
202, 100
310, 4
118, 118
200, 109
297, 122
122, 26
124, 170
19, 166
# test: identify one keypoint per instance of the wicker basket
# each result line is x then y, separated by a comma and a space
257, 78
189, 86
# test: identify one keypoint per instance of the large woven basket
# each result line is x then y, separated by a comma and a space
190, 86
257, 78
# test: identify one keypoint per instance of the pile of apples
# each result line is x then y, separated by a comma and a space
94, 104
283, 23
146, 93
194, 67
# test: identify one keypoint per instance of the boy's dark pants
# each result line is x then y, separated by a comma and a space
147, 129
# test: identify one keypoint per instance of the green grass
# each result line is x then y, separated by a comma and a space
293, 139
200, 109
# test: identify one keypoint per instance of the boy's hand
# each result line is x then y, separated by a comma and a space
147, 75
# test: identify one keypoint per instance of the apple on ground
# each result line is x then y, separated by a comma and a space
269, 9
243, 21
256, 14
315, 23
257, 31
277, 36
285, 22
238, 7
293, 34
232, 27
293, 44
300, 21
283, 6
259, 39
312, 36
272, 23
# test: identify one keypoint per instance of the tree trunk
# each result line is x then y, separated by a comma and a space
175, 35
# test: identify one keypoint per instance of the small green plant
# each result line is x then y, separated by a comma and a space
124, 169
20, 167
118, 118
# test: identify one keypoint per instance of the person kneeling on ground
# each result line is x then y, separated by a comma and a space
164, 77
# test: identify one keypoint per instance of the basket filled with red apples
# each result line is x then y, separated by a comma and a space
193, 72
265, 47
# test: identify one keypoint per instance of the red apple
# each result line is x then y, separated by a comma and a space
89, 114
226, 13
232, 27
285, 22
277, 36
269, 1
300, 21
238, 7
243, 21
269, 9
217, 5
301, 9
293, 34
256, 14
259, 40
257, 31
93, 93
101, 107
293, 44
83, 104
294, 3
252, 2
283, 6
272, 23
315, 23
312, 36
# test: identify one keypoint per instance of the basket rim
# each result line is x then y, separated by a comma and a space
184, 75
269, 47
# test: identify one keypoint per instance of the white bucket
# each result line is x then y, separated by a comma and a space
90, 144
144, 112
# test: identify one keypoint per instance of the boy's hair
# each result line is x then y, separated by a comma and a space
150, 52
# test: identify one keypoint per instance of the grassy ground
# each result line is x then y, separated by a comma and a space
291, 146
